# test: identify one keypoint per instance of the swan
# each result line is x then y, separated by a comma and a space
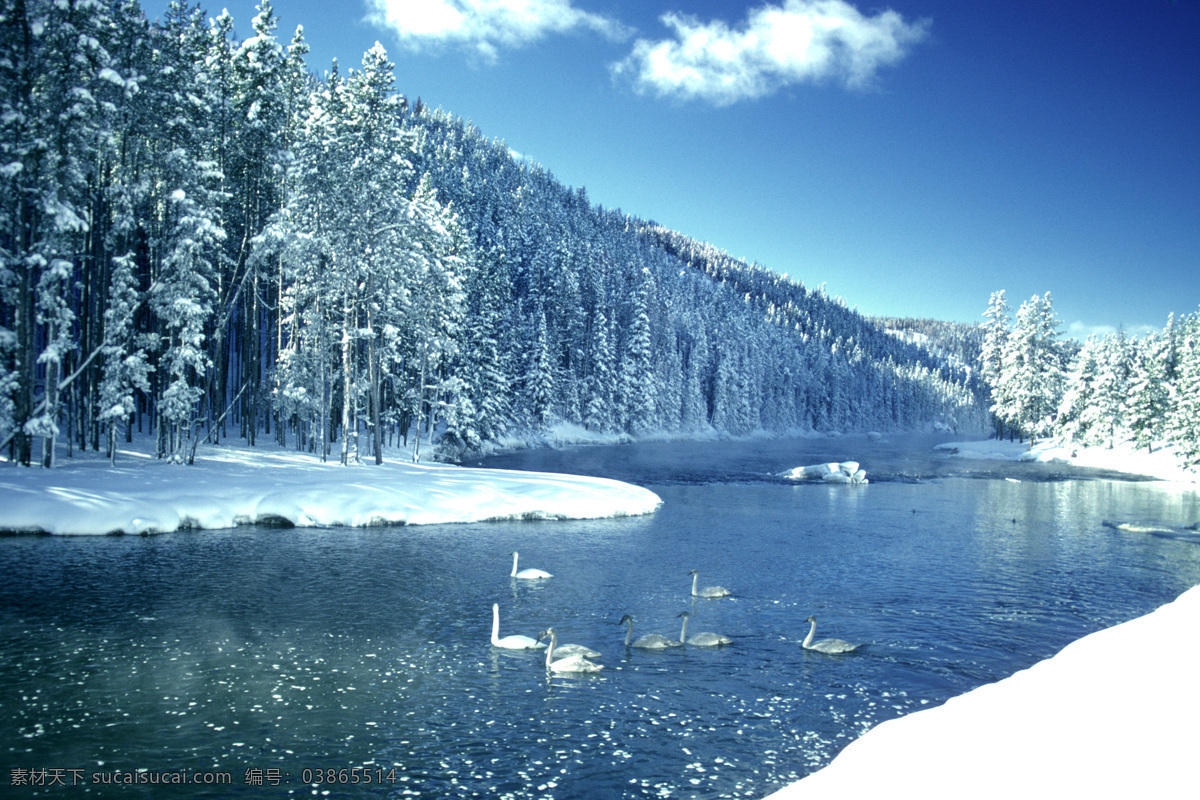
707, 591
567, 650
649, 641
529, 574
514, 642
701, 639
825, 645
568, 664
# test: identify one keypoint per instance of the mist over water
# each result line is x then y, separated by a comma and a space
284, 652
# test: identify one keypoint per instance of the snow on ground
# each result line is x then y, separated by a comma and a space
232, 485
1124, 457
1110, 715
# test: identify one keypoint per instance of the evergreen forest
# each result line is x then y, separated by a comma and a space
201, 240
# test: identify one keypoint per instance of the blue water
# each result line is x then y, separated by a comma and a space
271, 654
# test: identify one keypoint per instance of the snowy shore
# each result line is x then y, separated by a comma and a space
235, 485
1109, 715
1124, 457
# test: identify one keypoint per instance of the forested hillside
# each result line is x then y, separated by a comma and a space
202, 240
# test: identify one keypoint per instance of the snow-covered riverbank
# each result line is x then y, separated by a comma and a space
232, 485
1110, 715
1124, 457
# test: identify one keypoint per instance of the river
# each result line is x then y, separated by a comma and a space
356, 661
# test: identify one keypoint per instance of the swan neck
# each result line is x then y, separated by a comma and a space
513, 574
812, 631
683, 630
695, 578
629, 632
550, 649
495, 624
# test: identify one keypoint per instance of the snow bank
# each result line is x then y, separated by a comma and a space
833, 472
1110, 715
235, 485
1124, 457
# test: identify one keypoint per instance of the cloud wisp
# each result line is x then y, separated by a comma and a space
777, 46
485, 26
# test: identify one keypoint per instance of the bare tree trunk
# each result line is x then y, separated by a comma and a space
347, 388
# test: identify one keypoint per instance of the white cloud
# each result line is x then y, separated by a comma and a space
802, 40
485, 26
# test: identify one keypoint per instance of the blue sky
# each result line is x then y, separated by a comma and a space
913, 157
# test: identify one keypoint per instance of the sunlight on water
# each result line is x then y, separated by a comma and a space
255, 650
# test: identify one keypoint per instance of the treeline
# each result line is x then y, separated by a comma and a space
201, 240
1110, 389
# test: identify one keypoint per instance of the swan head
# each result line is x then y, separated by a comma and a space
694, 572
625, 619
684, 614
546, 634
811, 618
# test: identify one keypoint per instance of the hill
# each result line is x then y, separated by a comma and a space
230, 247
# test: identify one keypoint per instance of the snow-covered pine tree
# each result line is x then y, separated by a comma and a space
1148, 401
1031, 378
192, 234
126, 366
51, 129
694, 415
1111, 388
1077, 415
540, 377
1183, 421
639, 388
439, 260
995, 335
598, 411
486, 383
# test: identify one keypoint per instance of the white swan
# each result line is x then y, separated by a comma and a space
530, 574
701, 639
514, 642
568, 664
567, 650
832, 646
707, 591
649, 641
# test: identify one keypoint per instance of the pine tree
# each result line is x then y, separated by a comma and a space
1031, 379
639, 389
995, 335
51, 129
1112, 388
695, 407
1183, 421
598, 410
1077, 415
192, 232
1149, 392
540, 377
487, 386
